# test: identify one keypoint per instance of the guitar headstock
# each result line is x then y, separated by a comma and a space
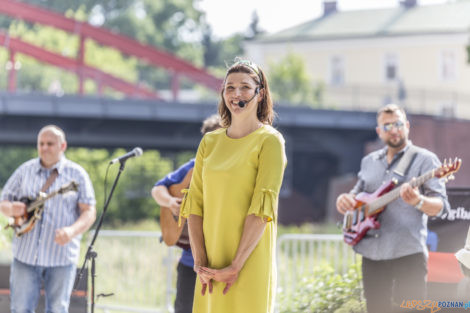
72, 186
448, 168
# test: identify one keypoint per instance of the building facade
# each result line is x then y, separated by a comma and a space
409, 54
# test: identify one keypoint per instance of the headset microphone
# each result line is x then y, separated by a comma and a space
242, 103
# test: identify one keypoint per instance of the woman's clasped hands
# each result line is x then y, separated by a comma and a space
227, 275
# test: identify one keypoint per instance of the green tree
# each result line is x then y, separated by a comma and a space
254, 30
290, 82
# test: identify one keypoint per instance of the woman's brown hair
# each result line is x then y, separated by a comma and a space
265, 112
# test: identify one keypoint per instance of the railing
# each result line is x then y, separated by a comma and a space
299, 254
138, 269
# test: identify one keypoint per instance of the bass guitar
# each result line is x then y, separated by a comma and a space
34, 209
357, 222
172, 234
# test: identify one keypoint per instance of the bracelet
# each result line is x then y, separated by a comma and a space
420, 203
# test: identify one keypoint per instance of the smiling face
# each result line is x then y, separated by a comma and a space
51, 147
241, 87
393, 129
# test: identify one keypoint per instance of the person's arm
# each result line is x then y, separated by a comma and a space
198, 249
432, 192
192, 208
430, 205
12, 208
83, 223
162, 196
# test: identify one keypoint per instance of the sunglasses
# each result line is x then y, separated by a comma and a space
389, 126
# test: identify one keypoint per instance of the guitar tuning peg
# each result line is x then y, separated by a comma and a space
445, 162
446, 180
451, 177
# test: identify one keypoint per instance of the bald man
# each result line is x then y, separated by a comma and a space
48, 254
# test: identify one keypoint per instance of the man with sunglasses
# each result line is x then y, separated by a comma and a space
394, 257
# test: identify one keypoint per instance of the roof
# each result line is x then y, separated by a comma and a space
451, 17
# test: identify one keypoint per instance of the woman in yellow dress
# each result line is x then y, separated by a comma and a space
232, 202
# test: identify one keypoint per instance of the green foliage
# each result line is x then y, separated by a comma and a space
131, 200
290, 82
11, 157
325, 292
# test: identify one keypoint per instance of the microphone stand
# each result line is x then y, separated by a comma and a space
91, 254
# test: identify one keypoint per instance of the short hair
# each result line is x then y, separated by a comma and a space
56, 130
211, 123
391, 109
265, 112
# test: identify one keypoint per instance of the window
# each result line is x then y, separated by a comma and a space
447, 68
391, 68
336, 71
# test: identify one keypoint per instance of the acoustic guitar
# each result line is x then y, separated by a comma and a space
172, 233
34, 209
357, 222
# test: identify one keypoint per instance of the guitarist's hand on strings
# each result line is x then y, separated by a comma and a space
345, 202
174, 205
13, 209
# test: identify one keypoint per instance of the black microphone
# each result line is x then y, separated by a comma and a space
123, 158
242, 103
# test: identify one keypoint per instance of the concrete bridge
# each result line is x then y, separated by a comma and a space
320, 144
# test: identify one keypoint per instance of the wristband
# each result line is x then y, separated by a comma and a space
420, 203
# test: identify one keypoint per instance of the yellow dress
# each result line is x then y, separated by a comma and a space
234, 178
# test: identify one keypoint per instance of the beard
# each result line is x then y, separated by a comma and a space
397, 144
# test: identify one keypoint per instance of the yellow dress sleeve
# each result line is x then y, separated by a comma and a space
272, 162
192, 202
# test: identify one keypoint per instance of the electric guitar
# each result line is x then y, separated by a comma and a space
357, 222
34, 209
173, 234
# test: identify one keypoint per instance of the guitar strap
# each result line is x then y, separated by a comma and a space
50, 180
405, 162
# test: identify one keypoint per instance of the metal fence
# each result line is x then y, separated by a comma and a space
140, 270
299, 254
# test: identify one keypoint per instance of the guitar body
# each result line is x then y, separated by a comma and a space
25, 223
34, 209
357, 223
172, 233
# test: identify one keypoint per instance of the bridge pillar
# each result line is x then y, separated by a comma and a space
80, 62
12, 73
175, 86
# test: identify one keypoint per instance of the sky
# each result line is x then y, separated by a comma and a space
228, 17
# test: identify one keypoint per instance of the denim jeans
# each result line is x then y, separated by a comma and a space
26, 281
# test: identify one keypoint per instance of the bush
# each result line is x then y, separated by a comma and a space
326, 292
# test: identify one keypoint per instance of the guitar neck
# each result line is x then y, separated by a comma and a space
41, 201
391, 196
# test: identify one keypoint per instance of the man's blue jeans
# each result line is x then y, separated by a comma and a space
26, 281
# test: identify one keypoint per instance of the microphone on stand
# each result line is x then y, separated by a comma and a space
123, 158
242, 103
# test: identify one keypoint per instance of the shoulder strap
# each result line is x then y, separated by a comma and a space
50, 180
405, 162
